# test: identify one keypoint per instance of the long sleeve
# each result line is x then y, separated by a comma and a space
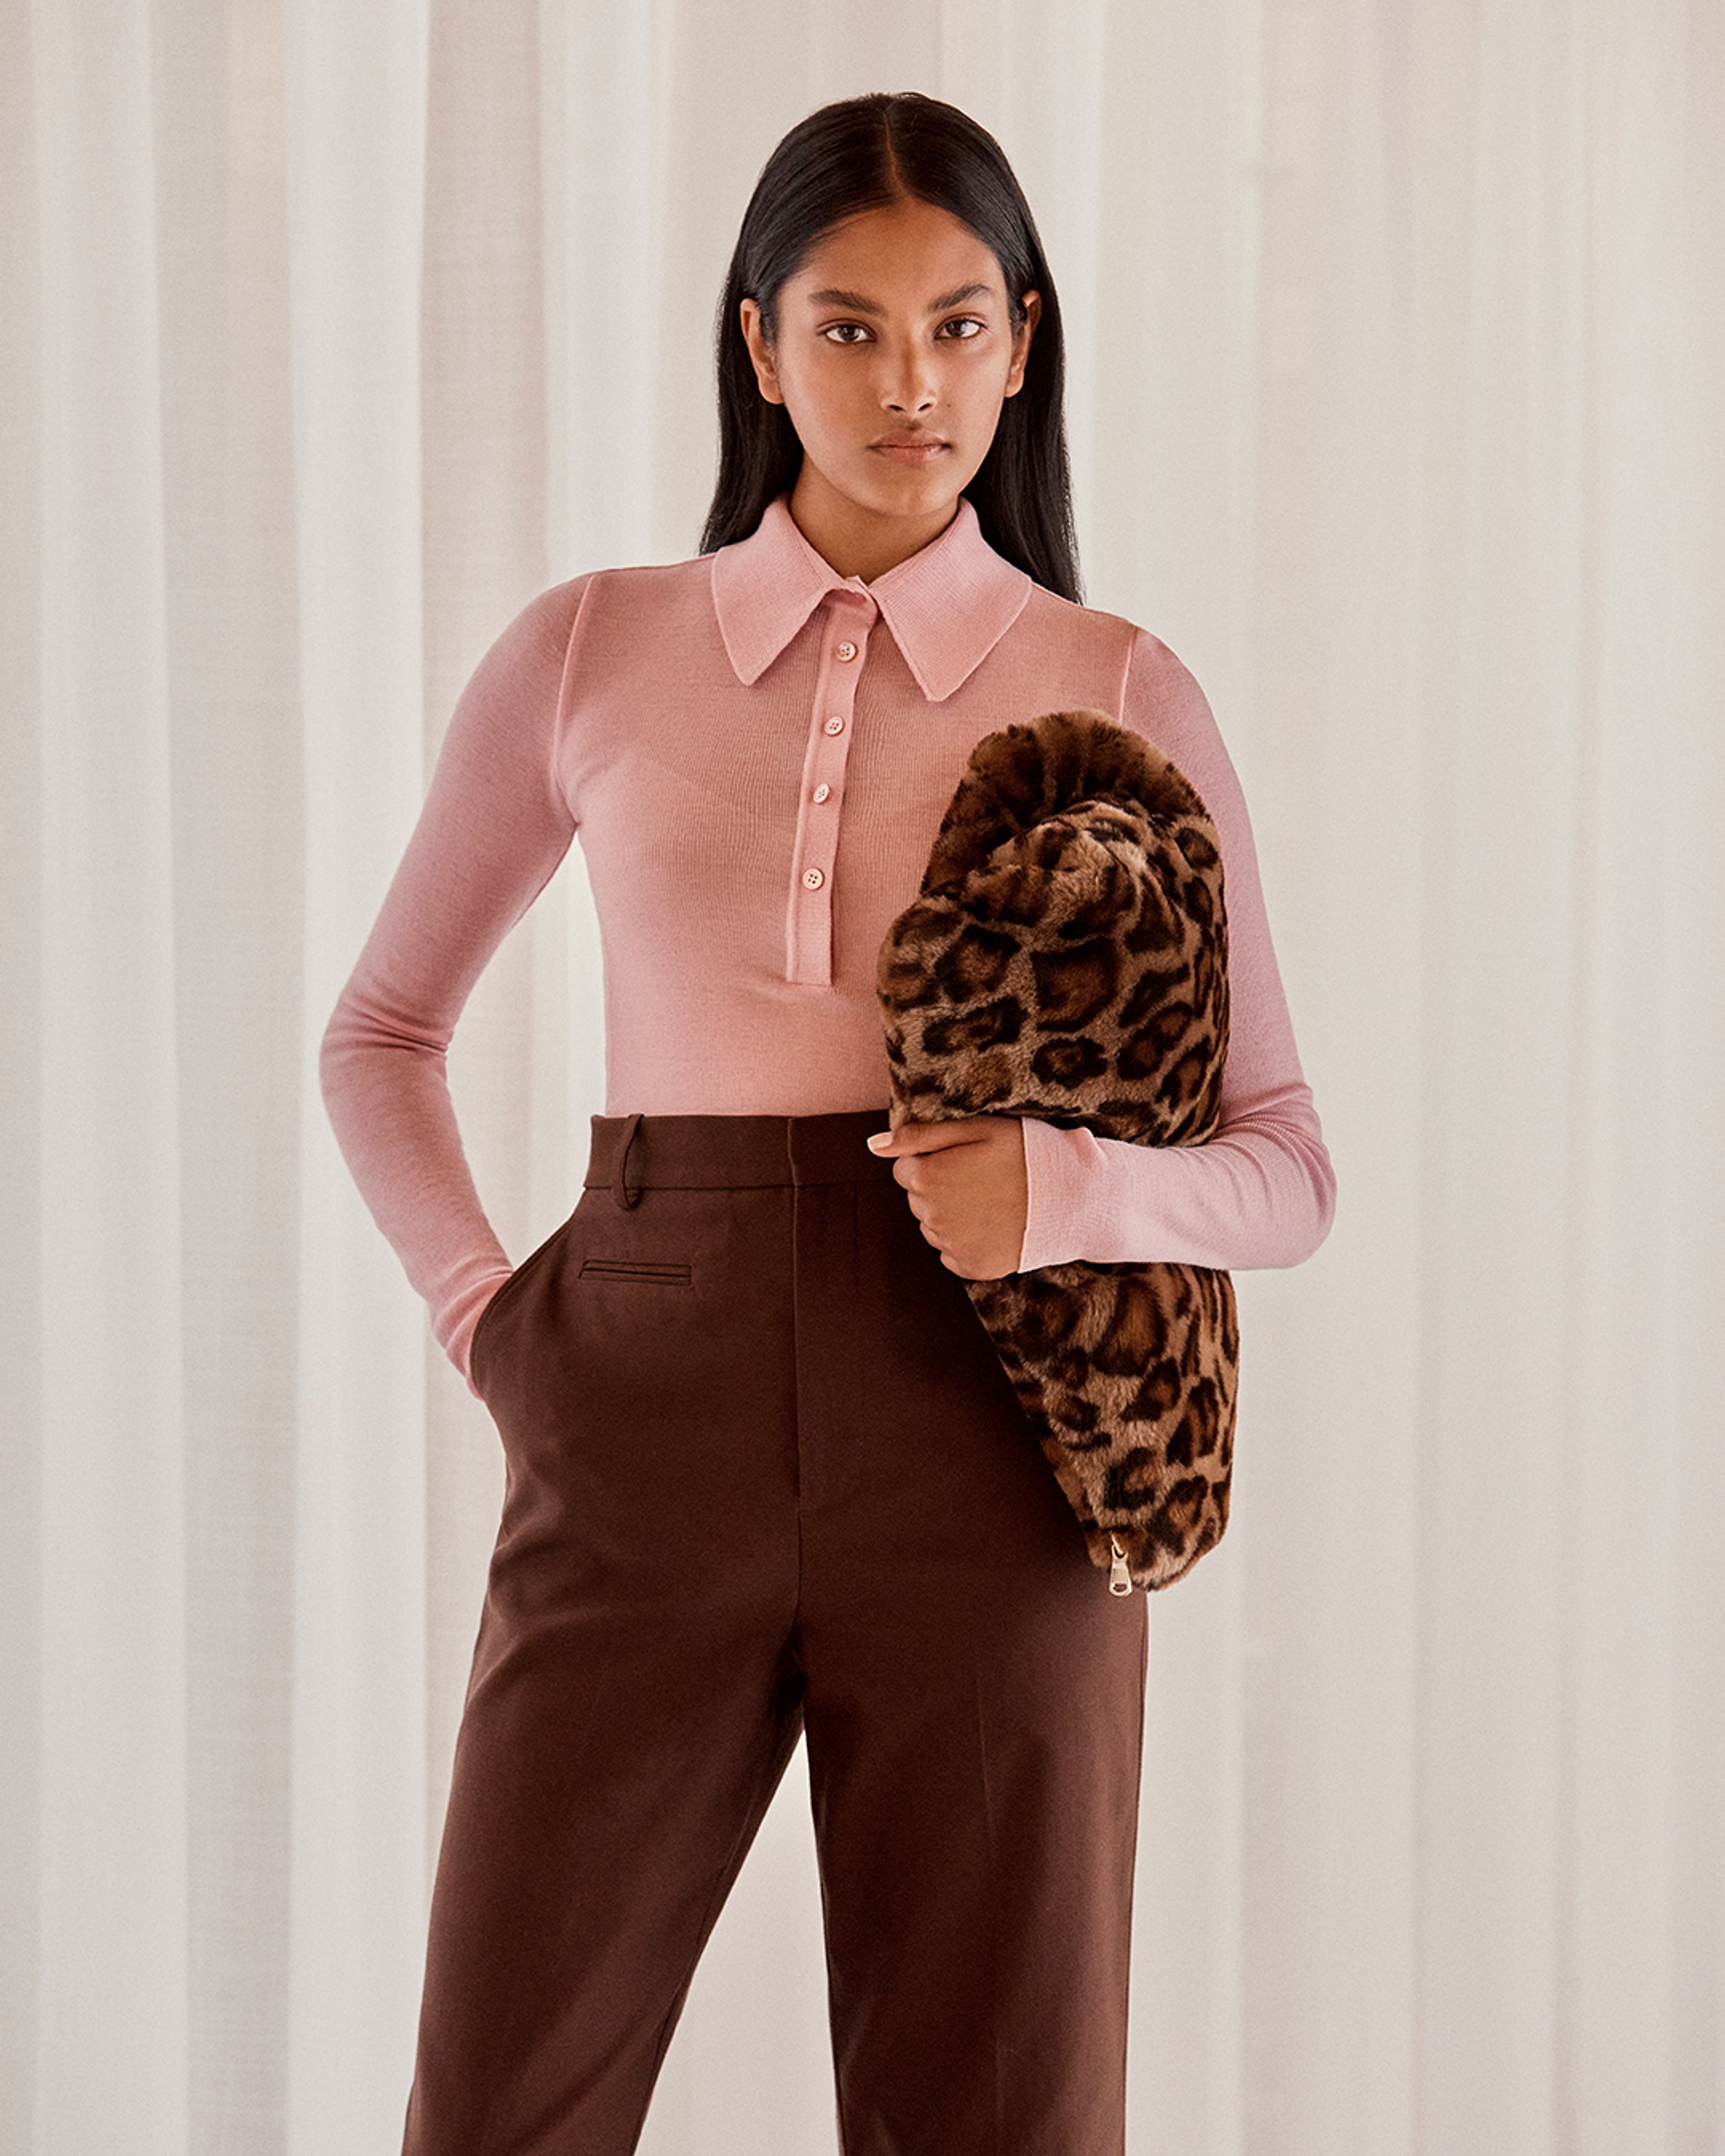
492, 829
1261, 1190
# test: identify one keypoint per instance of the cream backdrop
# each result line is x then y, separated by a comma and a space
334, 330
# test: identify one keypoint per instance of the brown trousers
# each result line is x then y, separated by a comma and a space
765, 1478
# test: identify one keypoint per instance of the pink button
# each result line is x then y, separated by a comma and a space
845, 650
835, 725
822, 791
813, 879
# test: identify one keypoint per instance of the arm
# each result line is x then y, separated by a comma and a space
1260, 1191
491, 832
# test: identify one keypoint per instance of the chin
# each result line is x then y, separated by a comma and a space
901, 490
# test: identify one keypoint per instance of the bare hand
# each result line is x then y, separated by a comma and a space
968, 1188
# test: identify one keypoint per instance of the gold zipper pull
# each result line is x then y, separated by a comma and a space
1120, 1580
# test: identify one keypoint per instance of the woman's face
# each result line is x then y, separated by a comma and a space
894, 354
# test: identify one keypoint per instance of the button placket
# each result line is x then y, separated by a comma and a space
808, 917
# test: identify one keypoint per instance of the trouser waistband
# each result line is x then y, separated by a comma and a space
634, 1152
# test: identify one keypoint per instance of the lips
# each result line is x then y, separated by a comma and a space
909, 449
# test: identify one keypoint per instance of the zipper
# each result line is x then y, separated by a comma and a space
1120, 1580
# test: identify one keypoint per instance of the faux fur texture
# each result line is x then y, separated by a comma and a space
1066, 958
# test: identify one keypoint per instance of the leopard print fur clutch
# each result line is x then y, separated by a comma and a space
1066, 958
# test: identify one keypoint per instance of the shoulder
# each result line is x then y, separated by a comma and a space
638, 592
1086, 632
648, 588
610, 612
1162, 693
1156, 686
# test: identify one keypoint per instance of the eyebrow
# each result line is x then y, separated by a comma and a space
831, 296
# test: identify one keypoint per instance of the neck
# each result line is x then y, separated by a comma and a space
857, 542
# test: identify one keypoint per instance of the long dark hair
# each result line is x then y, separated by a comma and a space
866, 153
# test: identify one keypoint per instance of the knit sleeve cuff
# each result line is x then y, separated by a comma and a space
455, 1321
1065, 1171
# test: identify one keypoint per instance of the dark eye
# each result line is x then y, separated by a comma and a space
965, 322
832, 328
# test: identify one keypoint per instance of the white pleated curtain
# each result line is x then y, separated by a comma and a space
333, 333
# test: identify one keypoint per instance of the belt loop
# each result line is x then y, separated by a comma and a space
626, 1193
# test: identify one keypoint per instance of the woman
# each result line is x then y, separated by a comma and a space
766, 1475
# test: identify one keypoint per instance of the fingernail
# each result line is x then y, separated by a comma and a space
879, 1139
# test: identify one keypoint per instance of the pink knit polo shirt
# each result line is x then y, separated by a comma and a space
755, 753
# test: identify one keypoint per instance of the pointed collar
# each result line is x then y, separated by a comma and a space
948, 605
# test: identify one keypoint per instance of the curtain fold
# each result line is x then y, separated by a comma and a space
111, 1758
1396, 339
355, 85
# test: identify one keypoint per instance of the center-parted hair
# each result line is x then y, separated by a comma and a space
866, 153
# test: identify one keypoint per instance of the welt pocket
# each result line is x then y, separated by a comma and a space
658, 1272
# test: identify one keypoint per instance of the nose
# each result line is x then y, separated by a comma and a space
908, 387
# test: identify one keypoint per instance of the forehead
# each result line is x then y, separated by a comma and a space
912, 254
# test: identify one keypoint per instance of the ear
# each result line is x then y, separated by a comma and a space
760, 351
1032, 303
